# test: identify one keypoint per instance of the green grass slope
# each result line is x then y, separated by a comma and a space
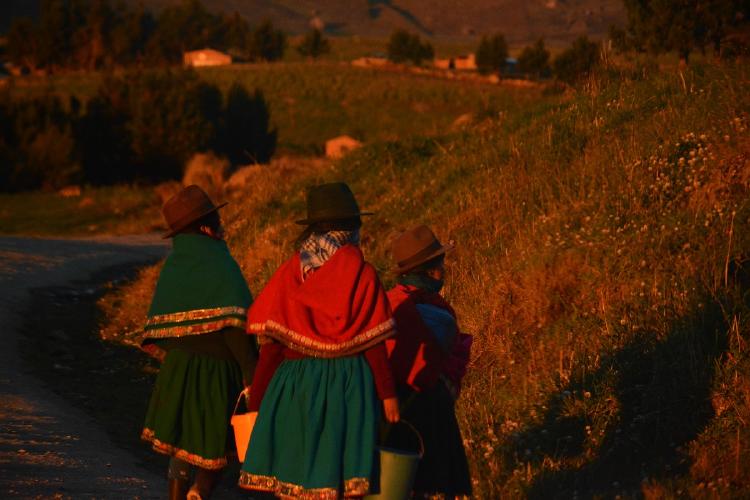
313, 102
601, 263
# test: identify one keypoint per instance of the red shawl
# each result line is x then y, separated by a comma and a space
339, 310
416, 358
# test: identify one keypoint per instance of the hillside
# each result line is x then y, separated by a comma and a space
601, 263
521, 21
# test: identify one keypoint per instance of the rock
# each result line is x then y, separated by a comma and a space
339, 146
70, 191
86, 202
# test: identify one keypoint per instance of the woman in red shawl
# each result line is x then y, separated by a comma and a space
428, 357
321, 321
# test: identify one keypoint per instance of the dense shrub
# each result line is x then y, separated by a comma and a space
138, 127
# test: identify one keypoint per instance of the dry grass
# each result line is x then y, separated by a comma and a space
601, 264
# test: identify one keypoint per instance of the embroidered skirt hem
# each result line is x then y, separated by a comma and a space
353, 488
190, 408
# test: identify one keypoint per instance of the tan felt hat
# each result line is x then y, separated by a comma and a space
186, 207
416, 246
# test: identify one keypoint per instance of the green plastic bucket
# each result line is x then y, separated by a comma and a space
397, 470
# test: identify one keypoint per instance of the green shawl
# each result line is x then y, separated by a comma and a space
200, 290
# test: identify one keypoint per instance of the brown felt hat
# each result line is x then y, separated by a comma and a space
416, 246
331, 202
186, 207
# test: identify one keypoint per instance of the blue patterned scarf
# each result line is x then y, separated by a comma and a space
318, 248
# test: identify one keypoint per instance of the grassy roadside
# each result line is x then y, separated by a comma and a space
601, 263
111, 210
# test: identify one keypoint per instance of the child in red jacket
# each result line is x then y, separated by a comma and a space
428, 357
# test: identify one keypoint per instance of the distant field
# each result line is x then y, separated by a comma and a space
313, 102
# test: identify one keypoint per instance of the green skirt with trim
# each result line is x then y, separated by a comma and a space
189, 411
316, 430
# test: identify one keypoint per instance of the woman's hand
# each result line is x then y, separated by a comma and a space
390, 406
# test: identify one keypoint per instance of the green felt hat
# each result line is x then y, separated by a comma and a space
331, 202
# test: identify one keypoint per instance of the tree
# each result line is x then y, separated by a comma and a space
22, 45
267, 43
103, 140
59, 21
182, 27
491, 54
683, 27
534, 60
130, 34
237, 36
314, 44
577, 61
38, 141
93, 39
404, 46
172, 115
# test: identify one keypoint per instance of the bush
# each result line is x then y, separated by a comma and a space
404, 46
577, 61
491, 54
244, 136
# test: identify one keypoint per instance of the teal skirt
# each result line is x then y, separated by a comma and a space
315, 432
189, 411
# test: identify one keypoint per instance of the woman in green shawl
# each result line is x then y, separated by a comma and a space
197, 324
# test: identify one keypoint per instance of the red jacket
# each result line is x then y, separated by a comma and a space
416, 358
341, 309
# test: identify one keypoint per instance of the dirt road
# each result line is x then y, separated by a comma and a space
48, 448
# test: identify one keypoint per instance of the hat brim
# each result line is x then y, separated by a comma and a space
182, 226
444, 249
315, 220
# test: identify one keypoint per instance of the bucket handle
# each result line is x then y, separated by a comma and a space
416, 433
244, 393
